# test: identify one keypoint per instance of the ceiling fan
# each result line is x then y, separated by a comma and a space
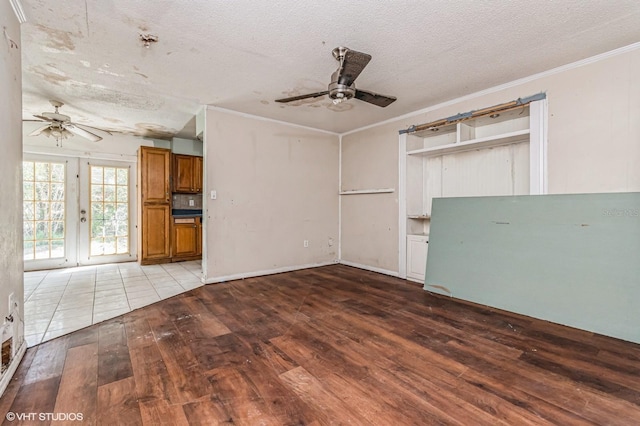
60, 127
342, 86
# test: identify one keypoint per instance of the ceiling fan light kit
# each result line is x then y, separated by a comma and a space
60, 126
342, 86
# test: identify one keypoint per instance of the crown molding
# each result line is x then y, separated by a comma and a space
18, 10
272, 120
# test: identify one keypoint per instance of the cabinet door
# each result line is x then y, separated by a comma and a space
154, 174
417, 247
156, 226
183, 173
185, 239
197, 174
199, 237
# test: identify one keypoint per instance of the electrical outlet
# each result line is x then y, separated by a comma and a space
192, 203
330, 242
305, 243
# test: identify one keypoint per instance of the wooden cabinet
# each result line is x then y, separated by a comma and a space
198, 176
156, 220
155, 208
186, 239
199, 251
187, 174
154, 174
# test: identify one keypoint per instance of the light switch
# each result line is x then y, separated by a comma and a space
214, 195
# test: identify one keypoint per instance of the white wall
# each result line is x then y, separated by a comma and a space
593, 146
11, 276
276, 186
370, 221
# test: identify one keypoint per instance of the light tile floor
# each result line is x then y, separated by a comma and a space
60, 301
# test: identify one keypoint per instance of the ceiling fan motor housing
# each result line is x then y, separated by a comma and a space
340, 91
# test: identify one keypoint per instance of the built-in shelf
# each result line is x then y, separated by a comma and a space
486, 142
440, 159
368, 191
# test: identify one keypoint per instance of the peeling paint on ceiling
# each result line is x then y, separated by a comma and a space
242, 55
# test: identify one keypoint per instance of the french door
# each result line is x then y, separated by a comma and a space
77, 212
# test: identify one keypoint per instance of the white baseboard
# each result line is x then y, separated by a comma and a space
13, 366
416, 280
244, 275
369, 268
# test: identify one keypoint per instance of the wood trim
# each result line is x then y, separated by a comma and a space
538, 148
402, 206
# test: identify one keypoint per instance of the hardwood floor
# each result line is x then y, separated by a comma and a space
329, 345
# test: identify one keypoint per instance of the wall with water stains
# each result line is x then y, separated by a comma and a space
11, 272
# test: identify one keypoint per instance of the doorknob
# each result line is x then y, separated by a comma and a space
83, 219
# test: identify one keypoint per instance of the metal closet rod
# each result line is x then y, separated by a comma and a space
518, 103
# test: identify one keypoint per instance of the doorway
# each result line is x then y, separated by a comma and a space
77, 212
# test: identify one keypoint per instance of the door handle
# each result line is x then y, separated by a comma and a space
82, 213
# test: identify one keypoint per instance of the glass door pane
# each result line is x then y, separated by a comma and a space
109, 210
107, 207
44, 210
46, 218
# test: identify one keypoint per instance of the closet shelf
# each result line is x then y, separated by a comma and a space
368, 191
486, 142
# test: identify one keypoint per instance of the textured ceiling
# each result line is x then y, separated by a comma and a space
241, 55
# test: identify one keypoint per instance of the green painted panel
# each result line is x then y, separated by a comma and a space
570, 259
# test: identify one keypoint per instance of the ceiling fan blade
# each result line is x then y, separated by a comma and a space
374, 98
42, 117
91, 127
39, 130
82, 133
352, 65
297, 98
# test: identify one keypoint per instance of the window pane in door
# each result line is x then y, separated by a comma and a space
109, 210
44, 209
